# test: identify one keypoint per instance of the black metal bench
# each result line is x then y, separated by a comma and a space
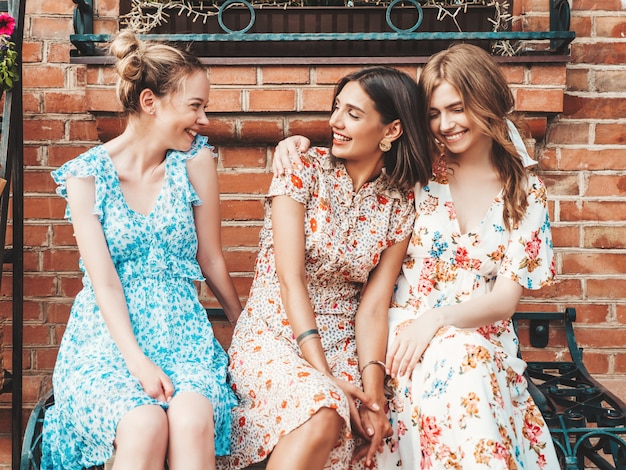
587, 421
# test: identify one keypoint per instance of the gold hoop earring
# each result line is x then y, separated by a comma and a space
384, 145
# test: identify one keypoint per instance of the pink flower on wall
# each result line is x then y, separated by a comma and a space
8, 55
7, 24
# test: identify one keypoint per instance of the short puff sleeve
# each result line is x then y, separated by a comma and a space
529, 258
300, 183
200, 142
88, 164
402, 217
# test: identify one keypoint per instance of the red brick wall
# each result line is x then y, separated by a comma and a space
577, 112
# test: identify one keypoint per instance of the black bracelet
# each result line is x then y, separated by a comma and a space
304, 334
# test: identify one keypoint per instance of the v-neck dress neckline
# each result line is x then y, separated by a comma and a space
122, 196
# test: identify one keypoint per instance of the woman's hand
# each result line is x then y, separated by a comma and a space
412, 339
286, 154
354, 395
153, 380
377, 427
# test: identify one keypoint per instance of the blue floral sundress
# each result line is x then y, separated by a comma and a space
155, 257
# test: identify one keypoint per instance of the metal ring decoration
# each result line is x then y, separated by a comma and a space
420, 16
227, 4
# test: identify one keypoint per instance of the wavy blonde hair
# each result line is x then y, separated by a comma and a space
488, 101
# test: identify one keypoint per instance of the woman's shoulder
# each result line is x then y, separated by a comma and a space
95, 163
200, 143
404, 196
95, 156
317, 157
536, 189
89, 163
534, 179
314, 162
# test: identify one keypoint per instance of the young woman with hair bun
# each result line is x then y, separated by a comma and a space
139, 369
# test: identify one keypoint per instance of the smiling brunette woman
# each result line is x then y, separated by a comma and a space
139, 368
333, 240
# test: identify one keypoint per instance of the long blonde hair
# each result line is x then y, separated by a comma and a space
487, 100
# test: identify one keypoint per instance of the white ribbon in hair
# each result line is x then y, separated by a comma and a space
516, 138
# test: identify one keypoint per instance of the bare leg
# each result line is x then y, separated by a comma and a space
308, 447
141, 439
192, 440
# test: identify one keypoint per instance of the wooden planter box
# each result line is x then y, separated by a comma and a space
360, 19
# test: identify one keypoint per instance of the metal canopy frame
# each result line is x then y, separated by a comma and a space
559, 35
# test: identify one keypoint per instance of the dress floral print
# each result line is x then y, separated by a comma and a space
345, 234
467, 405
155, 257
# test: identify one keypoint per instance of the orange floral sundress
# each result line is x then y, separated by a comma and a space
345, 234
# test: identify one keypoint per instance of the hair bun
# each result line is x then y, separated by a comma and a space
151, 65
129, 50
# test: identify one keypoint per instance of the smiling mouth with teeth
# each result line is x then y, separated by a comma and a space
341, 138
190, 132
454, 137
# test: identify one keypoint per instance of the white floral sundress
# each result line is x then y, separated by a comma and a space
345, 234
155, 257
467, 406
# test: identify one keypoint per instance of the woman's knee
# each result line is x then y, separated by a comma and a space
192, 414
144, 427
324, 425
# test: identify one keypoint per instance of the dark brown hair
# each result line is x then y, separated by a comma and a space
395, 96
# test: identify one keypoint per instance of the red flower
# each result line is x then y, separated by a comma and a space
462, 256
533, 246
430, 431
297, 182
541, 461
7, 24
532, 431
425, 285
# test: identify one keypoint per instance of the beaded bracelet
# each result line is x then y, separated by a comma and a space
304, 334
380, 363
